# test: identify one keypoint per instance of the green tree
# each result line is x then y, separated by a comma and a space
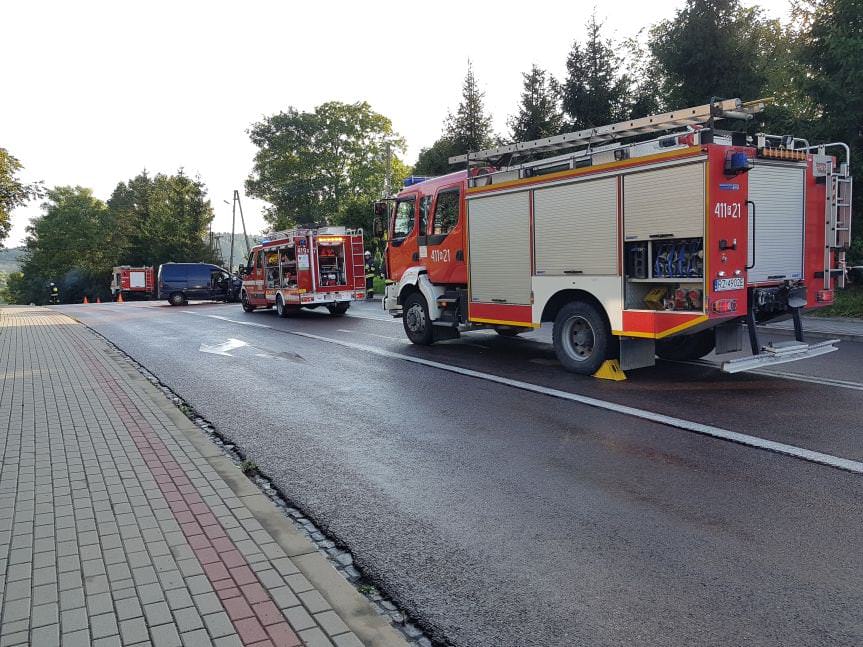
595, 91
831, 51
311, 166
13, 192
643, 79
161, 218
434, 160
712, 48
66, 245
469, 129
539, 112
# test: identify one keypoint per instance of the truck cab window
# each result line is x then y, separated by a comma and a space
403, 223
425, 212
445, 213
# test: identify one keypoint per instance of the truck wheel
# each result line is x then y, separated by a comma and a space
281, 310
177, 299
418, 326
338, 309
687, 347
581, 337
247, 307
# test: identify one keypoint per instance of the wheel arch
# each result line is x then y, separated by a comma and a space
560, 299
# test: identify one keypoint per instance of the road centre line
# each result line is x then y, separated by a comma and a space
756, 442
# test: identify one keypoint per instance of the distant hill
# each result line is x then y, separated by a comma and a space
9, 259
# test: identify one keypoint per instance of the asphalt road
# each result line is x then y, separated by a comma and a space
503, 517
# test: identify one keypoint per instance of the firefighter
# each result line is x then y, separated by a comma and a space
370, 275
53, 294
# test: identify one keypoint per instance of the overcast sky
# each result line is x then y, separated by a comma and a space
96, 91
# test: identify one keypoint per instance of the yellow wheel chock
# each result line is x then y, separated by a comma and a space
610, 370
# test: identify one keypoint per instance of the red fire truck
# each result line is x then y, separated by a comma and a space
133, 282
631, 248
305, 268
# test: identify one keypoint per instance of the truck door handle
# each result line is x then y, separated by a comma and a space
459, 255
749, 267
415, 256
498, 300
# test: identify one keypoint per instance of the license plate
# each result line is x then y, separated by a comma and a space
721, 285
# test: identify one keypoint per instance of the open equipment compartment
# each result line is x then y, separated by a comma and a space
331, 261
663, 215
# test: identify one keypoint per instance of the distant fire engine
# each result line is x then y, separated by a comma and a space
133, 282
660, 247
305, 268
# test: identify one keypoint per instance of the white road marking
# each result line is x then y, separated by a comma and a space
223, 348
788, 375
387, 319
687, 425
369, 334
242, 323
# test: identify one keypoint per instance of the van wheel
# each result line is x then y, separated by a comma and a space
281, 309
244, 299
415, 318
687, 347
581, 337
177, 299
338, 309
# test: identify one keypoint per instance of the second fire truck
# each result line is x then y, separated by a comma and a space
631, 248
305, 268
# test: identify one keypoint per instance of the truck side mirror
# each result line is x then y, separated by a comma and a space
242, 270
381, 208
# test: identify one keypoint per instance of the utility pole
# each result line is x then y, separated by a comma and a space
234, 204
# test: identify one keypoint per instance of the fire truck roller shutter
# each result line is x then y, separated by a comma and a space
500, 248
575, 228
137, 279
666, 202
777, 192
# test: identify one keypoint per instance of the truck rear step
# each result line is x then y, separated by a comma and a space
780, 353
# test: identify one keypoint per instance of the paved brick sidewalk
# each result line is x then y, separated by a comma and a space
118, 525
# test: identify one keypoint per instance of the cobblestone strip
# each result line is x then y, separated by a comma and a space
249, 606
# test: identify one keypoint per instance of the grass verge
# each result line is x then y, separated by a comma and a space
849, 303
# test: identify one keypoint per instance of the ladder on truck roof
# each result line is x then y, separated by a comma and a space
721, 109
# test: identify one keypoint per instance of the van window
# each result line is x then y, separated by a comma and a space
445, 213
403, 223
199, 274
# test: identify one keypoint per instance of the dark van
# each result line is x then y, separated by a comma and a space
180, 283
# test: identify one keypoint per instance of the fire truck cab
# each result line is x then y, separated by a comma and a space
658, 247
305, 268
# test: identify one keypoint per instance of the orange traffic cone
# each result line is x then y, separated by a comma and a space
119, 297
85, 300
98, 299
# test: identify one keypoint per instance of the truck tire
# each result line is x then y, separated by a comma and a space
177, 299
281, 310
338, 309
416, 321
244, 299
687, 347
581, 337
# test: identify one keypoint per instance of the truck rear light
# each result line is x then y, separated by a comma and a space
360, 295
725, 305
824, 296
